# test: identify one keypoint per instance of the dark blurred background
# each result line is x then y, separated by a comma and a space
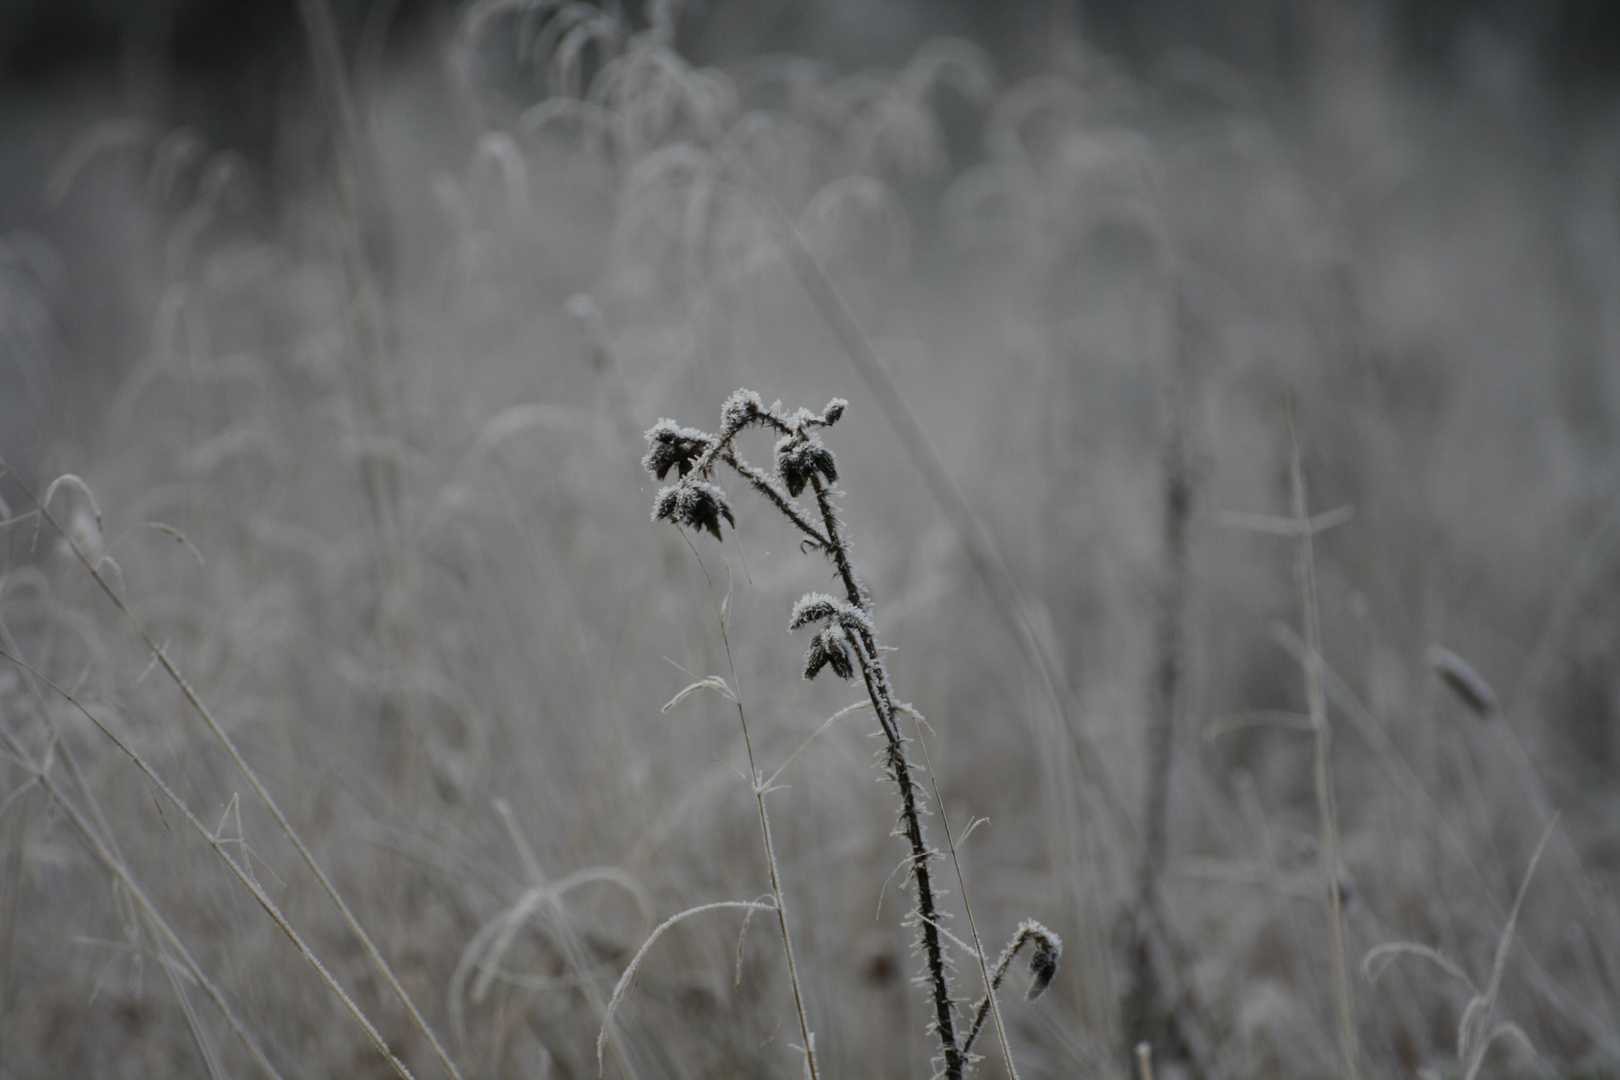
224, 66
236, 73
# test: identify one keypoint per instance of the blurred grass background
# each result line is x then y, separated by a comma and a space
1097, 247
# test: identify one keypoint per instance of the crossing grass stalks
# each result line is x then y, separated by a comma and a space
240, 867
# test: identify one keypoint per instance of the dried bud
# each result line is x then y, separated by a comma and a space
1044, 964
829, 647
741, 407
798, 459
696, 503
835, 408
670, 446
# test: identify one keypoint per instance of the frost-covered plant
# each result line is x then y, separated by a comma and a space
846, 640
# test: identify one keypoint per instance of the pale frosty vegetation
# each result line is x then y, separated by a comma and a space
1228, 479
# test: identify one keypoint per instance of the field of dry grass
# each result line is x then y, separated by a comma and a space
1232, 481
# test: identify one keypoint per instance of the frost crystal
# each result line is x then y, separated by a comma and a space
741, 407
819, 607
670, 446
812, 607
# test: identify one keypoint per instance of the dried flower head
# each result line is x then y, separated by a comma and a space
1044, 964
670, 446
739, 410
798, 458
829, 648
693, 502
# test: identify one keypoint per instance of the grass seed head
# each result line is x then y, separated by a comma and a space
1464, 681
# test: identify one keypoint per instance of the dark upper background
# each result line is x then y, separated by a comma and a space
223, 64
237, 72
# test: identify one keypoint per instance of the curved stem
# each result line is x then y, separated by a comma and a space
898, 765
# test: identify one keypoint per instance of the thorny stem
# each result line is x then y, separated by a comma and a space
987, 1006
990, 984
762, 483
695, 454
898, 765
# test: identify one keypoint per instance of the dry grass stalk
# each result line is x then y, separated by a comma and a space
1477, 1028
162, 659
1153, 1010
239, 869
1301, 527
1316, 704
103, 846
761, 787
